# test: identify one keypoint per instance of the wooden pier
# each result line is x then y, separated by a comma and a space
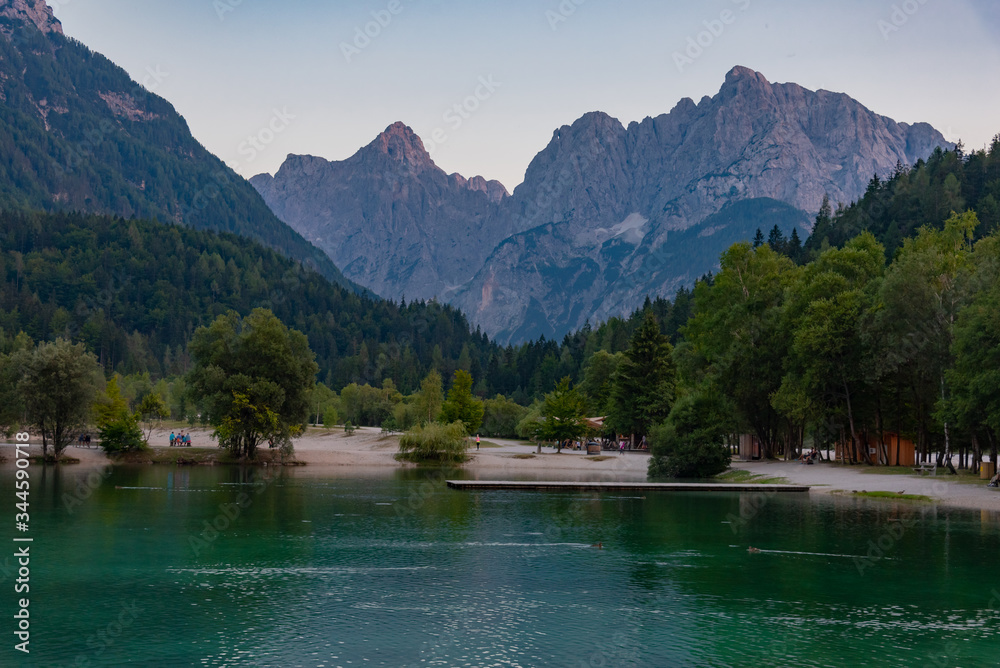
621, 486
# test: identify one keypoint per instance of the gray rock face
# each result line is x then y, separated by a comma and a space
606, 214
605, 208
389, 217
34, 11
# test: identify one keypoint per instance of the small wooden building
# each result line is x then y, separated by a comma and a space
892, 451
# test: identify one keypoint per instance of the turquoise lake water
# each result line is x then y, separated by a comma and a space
394, 569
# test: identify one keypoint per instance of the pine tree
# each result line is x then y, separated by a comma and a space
776, 240
794, 247
758, 239
644, 384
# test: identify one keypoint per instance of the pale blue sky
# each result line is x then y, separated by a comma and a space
228, 65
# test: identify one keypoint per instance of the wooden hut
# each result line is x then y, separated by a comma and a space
893, 450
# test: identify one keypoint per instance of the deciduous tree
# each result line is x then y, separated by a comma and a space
253, 375
58, 383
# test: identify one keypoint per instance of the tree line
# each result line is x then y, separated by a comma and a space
821, 343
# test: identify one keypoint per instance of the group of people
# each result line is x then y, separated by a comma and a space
180, 440
626, 444
810, 457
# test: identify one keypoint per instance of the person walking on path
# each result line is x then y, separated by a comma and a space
477, 442
621, 447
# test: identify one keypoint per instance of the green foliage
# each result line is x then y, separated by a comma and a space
644, 383
330, 417
530, 424
926, 194
501, 417
151, 411
120, 432
434, 443
253, 376
691, 443
134, 291
110, 403
737, 338
827, 360
974, 380
57, 382
247, 422
461, 406
321, 399
11, 402
598, 380
429, 399
563, 415
368, 406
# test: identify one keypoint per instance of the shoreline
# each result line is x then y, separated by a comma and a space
368, 449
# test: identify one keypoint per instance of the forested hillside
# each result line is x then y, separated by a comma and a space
134, 292
894, 208
77, 134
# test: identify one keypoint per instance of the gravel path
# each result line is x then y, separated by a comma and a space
829, 478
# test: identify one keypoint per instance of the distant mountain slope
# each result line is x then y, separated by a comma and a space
599, 221
135, 290
389, 217
76, 133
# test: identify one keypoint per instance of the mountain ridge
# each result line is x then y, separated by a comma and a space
609, 198
390, 200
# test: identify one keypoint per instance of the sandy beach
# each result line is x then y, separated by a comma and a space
499, 459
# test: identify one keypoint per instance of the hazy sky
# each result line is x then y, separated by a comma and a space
303, 77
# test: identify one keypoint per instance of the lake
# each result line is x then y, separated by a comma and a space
217, 566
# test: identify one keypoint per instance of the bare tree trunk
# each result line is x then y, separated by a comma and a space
850, 420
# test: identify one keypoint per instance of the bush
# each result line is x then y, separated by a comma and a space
691, 444
434, 442
122, 433
501, 417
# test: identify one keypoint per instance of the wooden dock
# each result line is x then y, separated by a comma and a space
621, 486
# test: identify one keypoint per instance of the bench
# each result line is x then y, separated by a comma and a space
926, 468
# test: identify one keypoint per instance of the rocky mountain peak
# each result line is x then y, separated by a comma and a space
36, 12
740, 73
400, 144
744, 82
605, 215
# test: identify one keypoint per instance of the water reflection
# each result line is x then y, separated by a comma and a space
292, 566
